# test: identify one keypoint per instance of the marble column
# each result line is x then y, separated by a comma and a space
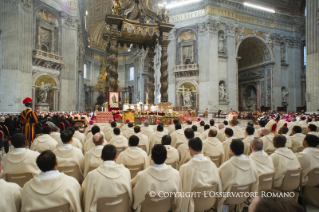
277, 81
151, 71
164, 74
172, 96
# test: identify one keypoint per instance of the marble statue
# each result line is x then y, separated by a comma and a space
283, 51
252, 95
222, 92
268, 38
187, 96
221, 42
284, 94
43, 92
241, 34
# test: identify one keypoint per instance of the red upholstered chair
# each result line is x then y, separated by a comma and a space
76, 118
6, 131
61, 126
45, 125
0, 127
1, 135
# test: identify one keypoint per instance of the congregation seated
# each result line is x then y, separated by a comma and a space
108, 132
92, 158
201, 127
221, 132
125, 126
75, 141
284, 159
89, 142
249, 133
10, 194
172, 153
238, 131
133, 155
55, 134
50, 123
291, 125
283, 131
156, 137
157, 178
297, 138
196, 134
183, 149
94, 130
171, 127
212, 147
44, 141
88, 128
188, 124
20, 160
262, 160
267, 137
147, 129
198, 172
144, 141
69, 155
251, 124
129, 131
77, 134
178, 136
108, 180
239, 170
2, 119
212, 126
226, 144
118, 140
50, 189
10, 124
206, 129
312, 130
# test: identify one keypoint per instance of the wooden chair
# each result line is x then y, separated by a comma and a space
291, 180
1, 127
62, 208
19, 179
204, 201
134, 169
72, 171
313, 177
6, 131
120, 203
266, 181
157, 204
217, 159
45, 125
238, 200
142, 147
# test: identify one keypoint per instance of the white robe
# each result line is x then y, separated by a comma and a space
291, 126
184, 155
172, 156
44, 142
309, 159
129, 132
92, 158
19, 163
198, 135
43, 193
200, 129
226, 145
288, 141
178, 137
89, 145
156, 138
80, 136
163, 179
196, 173
221, 135
56, 136
171, 129
148, 131
144, 141
205, 133
10, 197
89, 136
268, 144
247, 143
76, 143
213, 147
109, 134
87, 129
296, 141
119, 141
133, 156
108, 180
283, 159
263, 162
238, 132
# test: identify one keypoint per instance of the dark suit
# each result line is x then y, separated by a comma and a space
10, 125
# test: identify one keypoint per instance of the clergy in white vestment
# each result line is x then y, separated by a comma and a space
283, 131
212, 126
68, 155
88, 128
172, 153
50, 188
212, 146
198, 172
55, 134
133, 155
94, 130
125, 126
92, 158
144, 141
229, 133
312, 130
262, 160
249, 134
267, 138
251, 124
237, 171
284, 159
108, 132
20, 160
205, 132
171, 127
129, 131
75, 141
183, 149
157, 178
178, 136
238, 131
201, 127
196, 134
10, 195
188, 124
297, 138
44, 141
78, 134
221, 132
108, 180
156, 137
147, 129
118, 140
281, 123
89, 143
291, 126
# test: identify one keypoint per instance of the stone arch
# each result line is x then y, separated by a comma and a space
41, 75
179, 97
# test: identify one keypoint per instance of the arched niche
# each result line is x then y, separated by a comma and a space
186, 41
187, 90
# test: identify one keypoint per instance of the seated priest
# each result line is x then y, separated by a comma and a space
212, 146
205, 132
249, 133
44, 141
212, 126
201, 127
312, 130
198, 172
196, 134
89, 143
118, 140
297, 138
108, 180
178, 136
183, 149
129, 131
147, 129
94, 130
238, 131
144, 141
55, 134
226, 144
267, 137
157, 178
156, 137
283, 131
221, 132
171, 127
108, 132
50, 189
75, 141
78, 134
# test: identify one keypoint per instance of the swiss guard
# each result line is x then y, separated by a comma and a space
28, 120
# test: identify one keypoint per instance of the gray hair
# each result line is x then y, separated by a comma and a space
257, 144
221, 126
146, 123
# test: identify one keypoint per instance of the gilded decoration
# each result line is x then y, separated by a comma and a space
187, 86
46, 79
45, 36
187, 35
47, 16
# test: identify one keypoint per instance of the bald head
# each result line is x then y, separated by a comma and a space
256, 145
212, 133
265, 131
221, 126
98, 139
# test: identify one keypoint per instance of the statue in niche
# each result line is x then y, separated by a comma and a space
187, 96
268, 38
284, 94
283, 52
222, 92
43, 92
252, 95
221, 42
241, 34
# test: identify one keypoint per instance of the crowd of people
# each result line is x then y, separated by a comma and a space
124, 163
